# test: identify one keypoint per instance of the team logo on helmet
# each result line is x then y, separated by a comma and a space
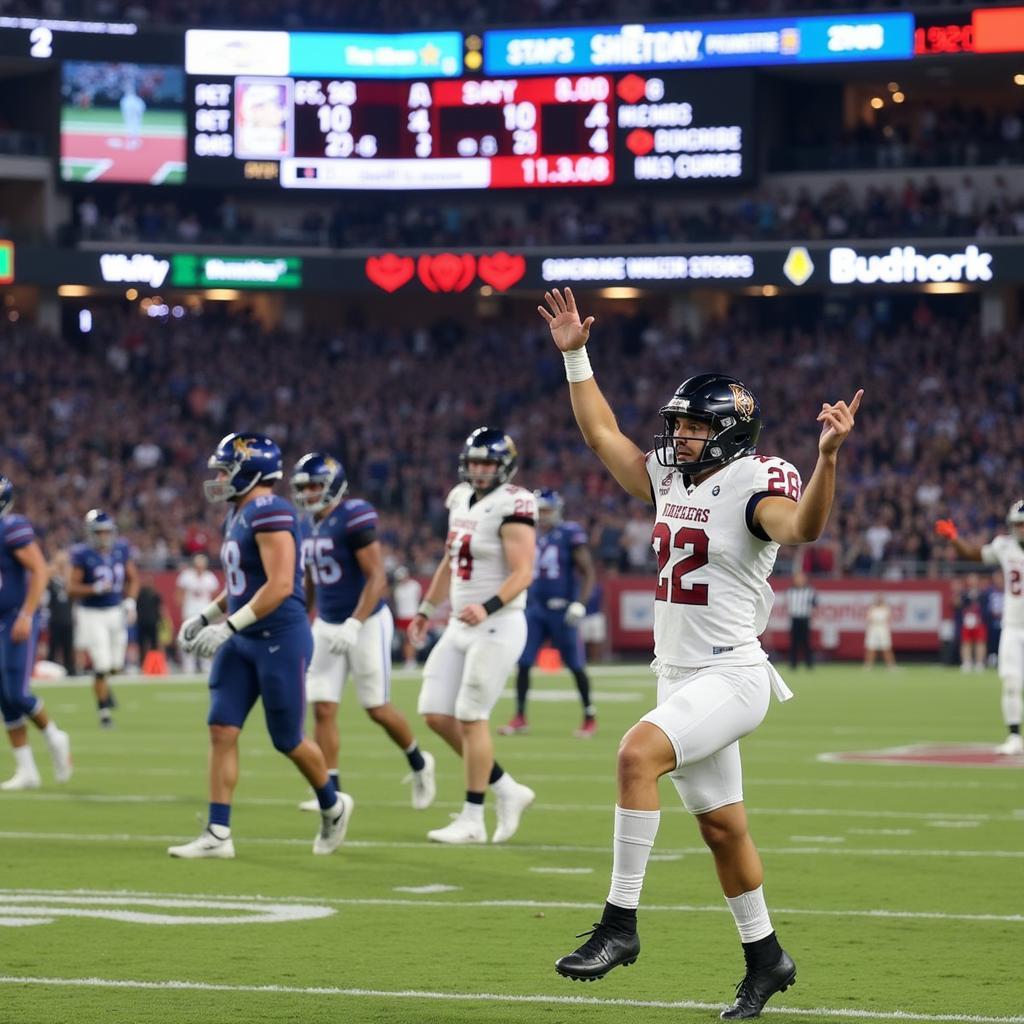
242, 449
744, 402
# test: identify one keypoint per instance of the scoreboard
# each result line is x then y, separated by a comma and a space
471, 133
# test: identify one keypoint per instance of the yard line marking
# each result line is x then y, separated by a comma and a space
463, 904
376, 844
937, 818
493, 997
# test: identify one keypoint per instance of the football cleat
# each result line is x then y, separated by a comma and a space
517, 725
20, 780
1013, 744
206, 846
461, 832
60, 752
509, 807
424, 784
310, 805
334, 825
587, 730
606, 948
757, 987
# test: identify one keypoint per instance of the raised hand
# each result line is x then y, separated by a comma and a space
836, 423
564, 320
946, 528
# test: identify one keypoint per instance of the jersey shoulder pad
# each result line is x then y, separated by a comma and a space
575, 534
270, 513
79, 554
18, 531
767, 474
360, 515
458, 495
516, 502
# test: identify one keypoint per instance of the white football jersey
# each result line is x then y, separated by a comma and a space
879, 616
713, 599
1007, 553
474, 541
198, 590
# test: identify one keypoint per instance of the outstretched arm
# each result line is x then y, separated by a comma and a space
788, 522
947, 528
594, 415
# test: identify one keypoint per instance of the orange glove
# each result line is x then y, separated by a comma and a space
946, 528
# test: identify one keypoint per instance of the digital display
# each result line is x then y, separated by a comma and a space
122, 123
569, 130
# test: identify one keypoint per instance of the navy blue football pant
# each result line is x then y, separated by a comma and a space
272, 669
17, 701
549, 624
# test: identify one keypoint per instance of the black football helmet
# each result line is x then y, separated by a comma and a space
724, 403
486, 444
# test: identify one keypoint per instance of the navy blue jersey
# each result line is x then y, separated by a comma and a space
15, 532
243, 567
103, 567
554, 575
329, 549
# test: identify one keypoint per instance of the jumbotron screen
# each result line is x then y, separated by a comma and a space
528, 132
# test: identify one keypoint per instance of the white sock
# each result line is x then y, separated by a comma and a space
634, 840
51, 732
472, 812
750, 913
1012, 703
504, 785
24, 760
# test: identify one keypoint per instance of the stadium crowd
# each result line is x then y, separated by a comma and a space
124, 418
917, 207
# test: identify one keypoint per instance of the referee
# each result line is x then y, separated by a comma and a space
800, 601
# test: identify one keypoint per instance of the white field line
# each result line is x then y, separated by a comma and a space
171, 985
116, 896
373, 844
953, 820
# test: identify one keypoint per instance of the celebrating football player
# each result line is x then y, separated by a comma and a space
487, 568
353, 630
721, 514
1006, 551
262, 646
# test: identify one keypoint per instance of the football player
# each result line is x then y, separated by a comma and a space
556, 603
194, 589
23, 578
487, 567
105, 583
354, 628
1007, 551
721, 514
262, 646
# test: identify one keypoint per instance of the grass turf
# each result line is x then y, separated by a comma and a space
895, 888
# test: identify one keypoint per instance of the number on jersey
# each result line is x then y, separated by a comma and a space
671, 588
460, 554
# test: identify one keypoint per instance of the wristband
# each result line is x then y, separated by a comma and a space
426, 609
211, 613
492, 604
242, 619
577, 365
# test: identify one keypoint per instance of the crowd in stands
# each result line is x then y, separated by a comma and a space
124, 418
916, 207
406, 14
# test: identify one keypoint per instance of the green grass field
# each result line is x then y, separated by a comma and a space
105, 119
898, 890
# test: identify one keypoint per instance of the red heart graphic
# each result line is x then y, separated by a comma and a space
501, 270
631, 88
446, 272
390, 271
640, 141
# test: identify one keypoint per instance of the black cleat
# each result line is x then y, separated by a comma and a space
757, 987
606, 948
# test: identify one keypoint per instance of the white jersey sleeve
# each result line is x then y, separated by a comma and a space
712, 598
475, 550
1007, 553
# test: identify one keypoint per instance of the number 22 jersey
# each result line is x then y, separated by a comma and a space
713, 599
474, 545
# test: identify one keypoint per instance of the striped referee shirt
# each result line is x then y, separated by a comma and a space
800, 601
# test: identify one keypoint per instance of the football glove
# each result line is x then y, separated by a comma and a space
575, 613
210, 638
188, 632
131, 613
342, 638
946, 528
